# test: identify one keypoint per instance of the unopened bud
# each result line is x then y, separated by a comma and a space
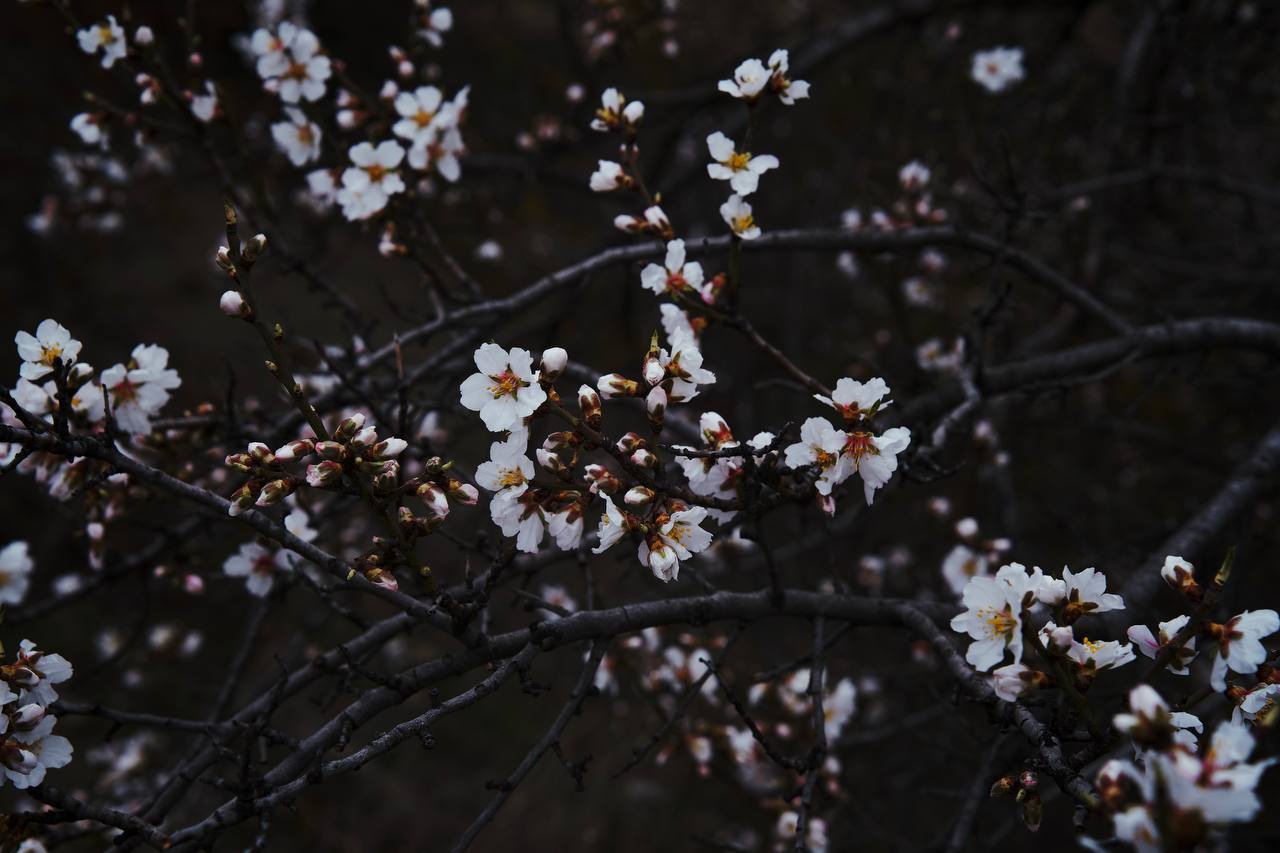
654, 372
656, 405
143, 36
463, 493
388, 448
639, 496
645, 458
324, 474
589, 403
296, 449
630, 442
241, 500
27, 716
434, 497
550, 461
233, 305
331, 450
617, 385
365, 437
553, 363
381, 577
275, 491
253, 248
349, 427
193, 584
223, 259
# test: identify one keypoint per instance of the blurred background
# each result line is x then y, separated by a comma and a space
1137, 158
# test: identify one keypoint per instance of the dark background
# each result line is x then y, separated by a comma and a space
1098, 475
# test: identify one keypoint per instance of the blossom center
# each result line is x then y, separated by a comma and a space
1001, 622
124, 391
50, 354
297, 71
423, 117
859, 444
738, 161
505, 384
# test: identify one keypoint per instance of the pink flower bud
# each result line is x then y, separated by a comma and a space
296, 449
433, 496
193, 584
324, 474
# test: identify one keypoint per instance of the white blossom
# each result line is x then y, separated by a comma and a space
1150, 646
506, 390
1240, 646
291, 63
749, 80
107, 37
299, 137
821, 445
737, 215
258, 565
741, 169
674, 275
998, 68
370, 182
508, 466
961, 564
15, 572
40, 352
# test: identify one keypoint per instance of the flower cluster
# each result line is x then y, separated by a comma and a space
28, 747
133, 392
997, 613
1177, 789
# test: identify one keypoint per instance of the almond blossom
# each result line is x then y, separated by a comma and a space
856, 400
608, 176
1150, 646
519, 514
613, 526
420, 114
43, 751
291, 63
1239, 642
788, 91
258, 565
435, 24
15, 572
993, 615
299, 137
741, 169
679, 538
370, 182
40, 353
615, 112
737, 215
36, 672
1079, 594
506, 390
139, 390
1101, 654
749, 80
674, 275
821, 445
961, 564
107, 37
508, 466
875, 457
998, 68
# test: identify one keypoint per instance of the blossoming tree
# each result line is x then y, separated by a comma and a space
488, 502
